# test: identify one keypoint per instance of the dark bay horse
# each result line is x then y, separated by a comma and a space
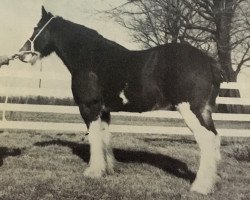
108, 77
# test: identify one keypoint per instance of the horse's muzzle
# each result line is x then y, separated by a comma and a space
23, 58
29, 57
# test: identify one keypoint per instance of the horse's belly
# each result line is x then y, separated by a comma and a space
141, 100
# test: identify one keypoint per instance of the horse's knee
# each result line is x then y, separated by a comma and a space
90, 112
105, 115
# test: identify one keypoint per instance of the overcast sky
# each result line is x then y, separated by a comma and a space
18, 17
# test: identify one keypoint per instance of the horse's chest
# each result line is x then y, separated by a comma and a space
85, 87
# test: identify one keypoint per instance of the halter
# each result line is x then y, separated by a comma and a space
32, 49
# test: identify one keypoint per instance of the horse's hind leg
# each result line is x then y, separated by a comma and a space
206, 117
200, 123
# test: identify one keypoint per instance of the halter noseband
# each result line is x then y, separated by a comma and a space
32, 49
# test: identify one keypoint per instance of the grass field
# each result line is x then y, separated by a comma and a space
42, 165
50, 165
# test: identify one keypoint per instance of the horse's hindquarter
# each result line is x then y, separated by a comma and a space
174, 73
186, 75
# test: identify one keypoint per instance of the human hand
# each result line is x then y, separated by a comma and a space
4, 60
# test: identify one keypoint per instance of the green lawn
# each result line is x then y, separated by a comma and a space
50, 165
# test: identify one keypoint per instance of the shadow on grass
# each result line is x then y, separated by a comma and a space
6, 152
164, 162
168, 140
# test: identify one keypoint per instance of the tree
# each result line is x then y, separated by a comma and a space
153, 23
220, 27
228, 31
217, 26
240, 37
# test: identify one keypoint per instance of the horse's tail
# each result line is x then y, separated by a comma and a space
219, 75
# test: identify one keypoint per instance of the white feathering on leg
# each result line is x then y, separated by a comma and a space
97, 164
210, 154
107, 148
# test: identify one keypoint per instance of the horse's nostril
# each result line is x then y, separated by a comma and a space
22, 58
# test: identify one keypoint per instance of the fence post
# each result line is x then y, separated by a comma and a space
6, 101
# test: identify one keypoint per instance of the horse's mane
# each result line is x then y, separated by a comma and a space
87, 33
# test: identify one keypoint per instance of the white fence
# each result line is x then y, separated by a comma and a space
20, 91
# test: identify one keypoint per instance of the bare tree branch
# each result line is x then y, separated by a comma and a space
243, 60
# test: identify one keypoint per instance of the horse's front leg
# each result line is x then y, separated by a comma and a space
108, 152
97, 120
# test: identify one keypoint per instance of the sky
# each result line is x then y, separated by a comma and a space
18, 17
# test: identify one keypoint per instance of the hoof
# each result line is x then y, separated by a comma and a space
110, 166
205, 185
201, 188
218, 156
110, 170
93, 173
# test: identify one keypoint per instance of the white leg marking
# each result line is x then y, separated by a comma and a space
123, 97
97, 164
205, 114
108, 153
209, 146
217, 147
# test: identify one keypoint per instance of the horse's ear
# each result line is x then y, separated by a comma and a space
44, 12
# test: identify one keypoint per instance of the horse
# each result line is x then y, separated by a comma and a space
108, 77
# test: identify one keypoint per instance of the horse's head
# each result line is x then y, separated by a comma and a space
40, 43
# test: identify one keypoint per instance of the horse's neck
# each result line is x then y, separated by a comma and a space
64, 53
80, 54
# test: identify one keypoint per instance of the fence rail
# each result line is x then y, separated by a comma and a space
26, 125
23, 91
152, 114
79, 127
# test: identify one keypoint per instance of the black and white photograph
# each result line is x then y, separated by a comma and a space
125, 100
